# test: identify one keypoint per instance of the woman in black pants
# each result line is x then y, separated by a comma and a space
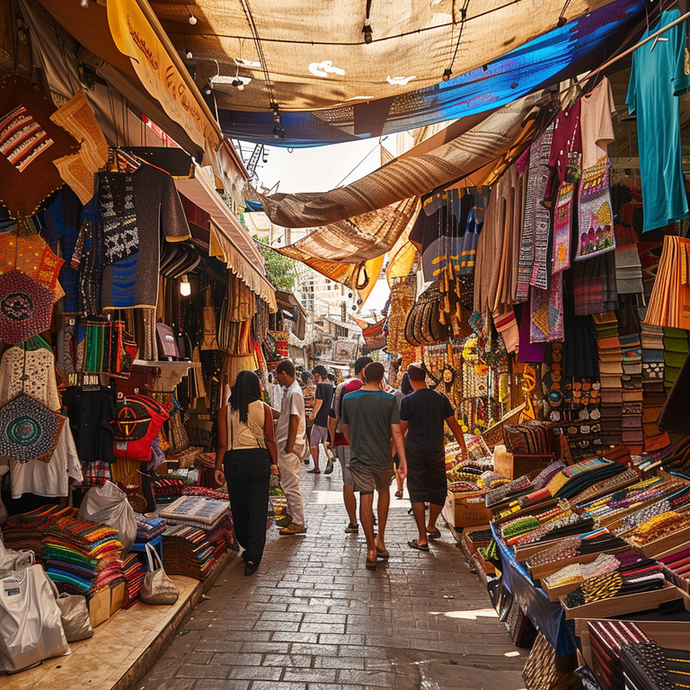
246, 450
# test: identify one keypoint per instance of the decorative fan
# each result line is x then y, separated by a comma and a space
28, 429
26, 307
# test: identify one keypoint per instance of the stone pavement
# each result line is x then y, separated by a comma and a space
314, 617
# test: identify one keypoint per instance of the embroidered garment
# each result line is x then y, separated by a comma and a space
26, 307
131, 279
546, 309
40, 380
562, 227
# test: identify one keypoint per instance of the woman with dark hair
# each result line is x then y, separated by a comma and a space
246, 450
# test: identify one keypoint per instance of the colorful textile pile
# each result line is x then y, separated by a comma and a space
187, 551
148, 528
607, 639
82, 556
134, 573
573, 479
196, 511
167, 490
26, 531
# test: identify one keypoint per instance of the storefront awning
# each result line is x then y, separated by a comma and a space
229, 241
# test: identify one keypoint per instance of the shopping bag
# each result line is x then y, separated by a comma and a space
108, 505
74, 614
30, 625
158, 588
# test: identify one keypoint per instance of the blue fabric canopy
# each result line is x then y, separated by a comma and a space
557, 55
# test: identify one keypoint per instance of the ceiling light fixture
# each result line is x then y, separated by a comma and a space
447, 73
192, 19
225, 79
368, 33
276, 112
185, 286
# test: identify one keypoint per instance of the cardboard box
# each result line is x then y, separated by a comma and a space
514, 466
118, 596
466, 509
99, 606
619, 606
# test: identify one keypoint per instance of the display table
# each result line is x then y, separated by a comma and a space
547, 616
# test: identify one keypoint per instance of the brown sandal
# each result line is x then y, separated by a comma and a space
313, 471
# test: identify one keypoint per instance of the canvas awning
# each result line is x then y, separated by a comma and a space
229, 241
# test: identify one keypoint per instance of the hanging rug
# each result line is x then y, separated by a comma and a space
28, 430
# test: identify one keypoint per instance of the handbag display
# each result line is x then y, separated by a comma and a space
74, 614
139, 419
158, 588
423, 325
167, 342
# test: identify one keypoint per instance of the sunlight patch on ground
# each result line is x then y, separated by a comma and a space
467, 615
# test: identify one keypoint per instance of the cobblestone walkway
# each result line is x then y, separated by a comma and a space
314, 617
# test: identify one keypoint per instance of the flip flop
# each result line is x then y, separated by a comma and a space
416, 545
436, 534
384, 556
398, 494
371, 565
313, 471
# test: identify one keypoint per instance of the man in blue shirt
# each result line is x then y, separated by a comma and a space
369, 418
422, 415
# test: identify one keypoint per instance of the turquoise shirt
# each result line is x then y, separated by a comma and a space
657, 80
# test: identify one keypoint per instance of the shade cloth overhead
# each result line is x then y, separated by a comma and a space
229, 241
299, 44
495, 80
404, 179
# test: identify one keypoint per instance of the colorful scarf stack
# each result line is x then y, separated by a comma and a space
607, 638
148, 528
134, 573
25, 531
187, 551
81, 556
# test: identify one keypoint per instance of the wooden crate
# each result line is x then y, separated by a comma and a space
541, 571
619, 606
514, 466
466, 509
670, 541
469, 546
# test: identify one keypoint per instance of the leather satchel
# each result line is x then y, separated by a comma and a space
167, 342
423, 325
158, 588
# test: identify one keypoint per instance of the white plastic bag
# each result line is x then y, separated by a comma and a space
14, 560
74, 614
109, 505
30, 626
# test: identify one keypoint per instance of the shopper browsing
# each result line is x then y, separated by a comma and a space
422, 415
290, 437
322, 404
246, 450
340, 445
370, 418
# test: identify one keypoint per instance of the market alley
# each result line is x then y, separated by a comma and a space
314, 617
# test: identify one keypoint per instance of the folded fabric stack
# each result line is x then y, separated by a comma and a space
148, 528
572, 480
611, 375
642, 576
607, 639
579, 572
646, 666
134, 573
26, 531
657, 527
167, 490
81, 556
675, 352
652, 340
187, 551
506, 492
606, 486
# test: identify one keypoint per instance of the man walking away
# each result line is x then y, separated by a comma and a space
290, 437
370, 418
423, 413
319, 417
340, 446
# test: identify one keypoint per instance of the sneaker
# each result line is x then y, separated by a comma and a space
292, 528
283, 521
352, 529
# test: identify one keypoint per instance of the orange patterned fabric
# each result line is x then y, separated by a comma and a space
32, 256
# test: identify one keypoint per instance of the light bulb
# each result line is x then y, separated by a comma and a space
185, 286
240, 87
192, 19
189, 55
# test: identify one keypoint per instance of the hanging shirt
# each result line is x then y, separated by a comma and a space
567, 138
657, 79
136, 210
596, 124
39, 366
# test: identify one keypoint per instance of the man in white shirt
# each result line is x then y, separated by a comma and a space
291, 440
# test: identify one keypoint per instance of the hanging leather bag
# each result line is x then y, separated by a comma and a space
423, 325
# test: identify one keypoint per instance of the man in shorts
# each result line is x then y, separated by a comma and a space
340, 445
423, 414
370, 418
319, 417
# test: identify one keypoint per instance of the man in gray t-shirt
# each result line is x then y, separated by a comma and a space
369, 418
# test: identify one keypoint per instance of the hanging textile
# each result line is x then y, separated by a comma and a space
546, 309
535, 230
26, 307
669, 304
403, 179
596, 233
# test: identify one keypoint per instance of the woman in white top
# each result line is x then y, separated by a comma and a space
246, 450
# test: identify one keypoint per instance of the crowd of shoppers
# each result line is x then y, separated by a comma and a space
376, 432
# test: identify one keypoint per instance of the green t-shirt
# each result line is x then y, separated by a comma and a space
370, 415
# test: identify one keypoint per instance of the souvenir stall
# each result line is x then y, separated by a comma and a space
124, 318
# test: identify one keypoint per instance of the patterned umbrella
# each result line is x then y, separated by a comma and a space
26, 307
28, 429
